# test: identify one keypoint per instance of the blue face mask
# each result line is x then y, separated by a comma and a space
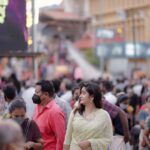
19, 120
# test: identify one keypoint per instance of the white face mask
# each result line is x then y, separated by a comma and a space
123, 106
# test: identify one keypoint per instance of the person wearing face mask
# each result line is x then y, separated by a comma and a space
31, 132
123, 103
48, 116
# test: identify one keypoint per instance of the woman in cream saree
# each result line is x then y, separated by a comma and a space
89, 131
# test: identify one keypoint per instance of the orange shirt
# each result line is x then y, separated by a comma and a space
51, 123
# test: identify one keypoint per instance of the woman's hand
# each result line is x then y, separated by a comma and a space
84, 144
29, 145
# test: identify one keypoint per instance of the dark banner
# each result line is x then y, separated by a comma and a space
13, 32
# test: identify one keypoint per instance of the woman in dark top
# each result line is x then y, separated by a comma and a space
30, 130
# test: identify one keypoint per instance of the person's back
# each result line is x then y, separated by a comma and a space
67, 85
61, 103
9, 95
107, 88
114, 114
64, 106
27, 96
120, 123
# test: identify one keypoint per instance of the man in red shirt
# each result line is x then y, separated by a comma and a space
48, 116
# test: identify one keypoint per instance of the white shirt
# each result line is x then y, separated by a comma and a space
67, 97
27, 96
110, 98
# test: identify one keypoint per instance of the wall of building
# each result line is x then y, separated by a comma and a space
120, 14
80, 7
130, 17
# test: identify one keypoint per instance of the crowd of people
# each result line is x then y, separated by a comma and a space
67, 114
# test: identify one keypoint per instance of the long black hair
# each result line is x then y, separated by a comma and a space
93, 90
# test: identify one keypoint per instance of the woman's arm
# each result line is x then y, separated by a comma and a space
68, 136
146, 137
66, 147
35, 146
84, 144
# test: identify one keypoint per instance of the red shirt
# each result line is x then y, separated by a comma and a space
51, 123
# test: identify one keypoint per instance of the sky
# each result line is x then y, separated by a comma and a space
43, 3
